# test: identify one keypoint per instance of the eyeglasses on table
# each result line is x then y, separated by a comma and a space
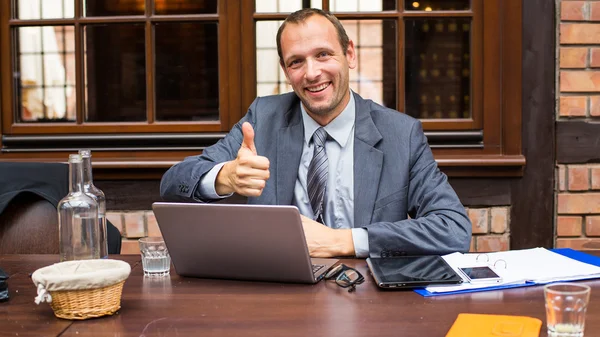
345, 277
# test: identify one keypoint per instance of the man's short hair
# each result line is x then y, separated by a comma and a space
305, 13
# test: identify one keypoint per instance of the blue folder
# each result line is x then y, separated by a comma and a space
568, 252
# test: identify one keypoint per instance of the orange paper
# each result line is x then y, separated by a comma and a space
478, 325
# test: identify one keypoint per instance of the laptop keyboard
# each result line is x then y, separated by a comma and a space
317, 267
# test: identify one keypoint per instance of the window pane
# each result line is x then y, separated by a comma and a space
436, 5
375, 74
270, 77
361, 5
113, 7
285, 6
438, 66
115, 73
187, 71
45, 9
45, 74
185, 6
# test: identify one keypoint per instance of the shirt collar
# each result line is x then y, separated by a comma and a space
339, 128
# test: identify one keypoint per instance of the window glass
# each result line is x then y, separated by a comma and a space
44, 9
115, 73
187, 71
436, 5
438, 68
45, 74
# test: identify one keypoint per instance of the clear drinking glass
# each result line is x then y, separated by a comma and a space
566, 304
155, 256
98, 195
78, 218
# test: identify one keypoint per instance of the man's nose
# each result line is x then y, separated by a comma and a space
313, 70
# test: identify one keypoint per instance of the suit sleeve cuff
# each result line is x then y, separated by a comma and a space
360, 237
206, 188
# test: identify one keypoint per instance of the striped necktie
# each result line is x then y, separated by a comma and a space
318, 170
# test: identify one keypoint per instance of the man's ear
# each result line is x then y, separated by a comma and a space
351, 55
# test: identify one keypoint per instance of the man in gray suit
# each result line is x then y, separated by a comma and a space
355, 169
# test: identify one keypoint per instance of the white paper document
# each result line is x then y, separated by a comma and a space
536, 265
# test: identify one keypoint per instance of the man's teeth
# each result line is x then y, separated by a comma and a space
319, 88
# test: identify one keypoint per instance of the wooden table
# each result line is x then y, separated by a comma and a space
178, 306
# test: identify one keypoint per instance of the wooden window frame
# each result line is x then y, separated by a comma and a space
497, 99
497, 35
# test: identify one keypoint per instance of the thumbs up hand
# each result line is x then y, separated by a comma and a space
247, 174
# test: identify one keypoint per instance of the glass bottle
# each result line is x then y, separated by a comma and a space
78, 218
98, 195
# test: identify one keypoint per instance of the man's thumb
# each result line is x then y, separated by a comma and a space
248, 133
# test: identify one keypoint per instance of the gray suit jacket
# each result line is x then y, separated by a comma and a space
395, 175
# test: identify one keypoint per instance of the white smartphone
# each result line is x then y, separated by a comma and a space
481, 275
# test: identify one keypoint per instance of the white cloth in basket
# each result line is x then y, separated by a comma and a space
78, 275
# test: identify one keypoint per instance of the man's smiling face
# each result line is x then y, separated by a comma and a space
317, 67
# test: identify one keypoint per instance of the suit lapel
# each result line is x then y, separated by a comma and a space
289, 150
368, 162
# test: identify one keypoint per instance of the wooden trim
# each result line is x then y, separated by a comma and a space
532, 211
477, 85
223, 65
578, 142
512, 75
492, 86
113, 19
150, 50
80, 94
401, 79
483, 191
5, 64
161, 127
248, 44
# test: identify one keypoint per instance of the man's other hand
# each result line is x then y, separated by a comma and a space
247, 175
323, 241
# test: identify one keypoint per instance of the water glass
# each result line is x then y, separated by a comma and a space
566, 304
155, 256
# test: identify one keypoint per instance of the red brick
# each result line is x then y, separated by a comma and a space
116, 219
129, 247
594, 10
134, 224
595, 173
573, 57
595, 57
572, 10
499, 220
479, 219
569, 225
592, 225
583, 203
572, 106
579, 33
152, 225
492, 243
579, 178
472, 246
595, 106
583, 243
562, 177
579, 81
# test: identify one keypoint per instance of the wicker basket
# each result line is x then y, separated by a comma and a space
82, 289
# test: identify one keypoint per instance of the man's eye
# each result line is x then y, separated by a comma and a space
322, 54
294, 63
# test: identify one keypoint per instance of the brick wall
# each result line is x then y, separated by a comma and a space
490, 228
578, 185
578, 206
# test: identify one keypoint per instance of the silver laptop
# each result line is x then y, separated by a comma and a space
244, 242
